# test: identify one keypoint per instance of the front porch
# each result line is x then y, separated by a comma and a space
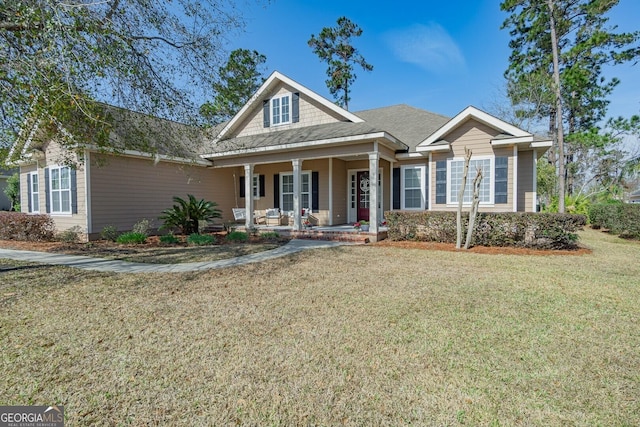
343, 233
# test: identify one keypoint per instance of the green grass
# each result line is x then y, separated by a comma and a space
360, 335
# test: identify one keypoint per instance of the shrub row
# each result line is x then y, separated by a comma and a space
529, 230
621, 218
21, 226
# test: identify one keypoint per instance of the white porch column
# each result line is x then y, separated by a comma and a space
330, 191
248, 195
515, 178
391, 162
297, 184
535, 181
374, 161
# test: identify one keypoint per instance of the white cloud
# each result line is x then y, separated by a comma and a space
428, 46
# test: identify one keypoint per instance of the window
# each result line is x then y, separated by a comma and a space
413, 189
286, 191
60, 189
34, 189
456, 168
280, 110
256, 187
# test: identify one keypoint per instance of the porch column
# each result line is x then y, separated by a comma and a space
391, 162
248, 195
515, 178
534, 208
330, 191
374, 161
297, 181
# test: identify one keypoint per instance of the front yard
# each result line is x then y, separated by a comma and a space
362, 335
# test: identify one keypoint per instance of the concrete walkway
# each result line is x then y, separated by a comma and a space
101, 264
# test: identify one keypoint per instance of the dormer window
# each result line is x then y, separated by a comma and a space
281, 110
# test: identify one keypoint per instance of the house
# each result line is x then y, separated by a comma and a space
287, 148
634, 197
5, 174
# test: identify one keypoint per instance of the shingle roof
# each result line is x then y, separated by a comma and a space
408, 124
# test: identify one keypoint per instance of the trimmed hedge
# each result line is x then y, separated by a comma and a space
529, 230
25, 227
620, 218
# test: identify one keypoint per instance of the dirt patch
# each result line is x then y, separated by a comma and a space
490, 250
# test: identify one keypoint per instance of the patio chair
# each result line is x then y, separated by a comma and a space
259, 217
273, 215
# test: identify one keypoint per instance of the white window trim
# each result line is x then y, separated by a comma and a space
271, 116
255, 187
35, 196
50, 189
423, 186
492, 163
307, 172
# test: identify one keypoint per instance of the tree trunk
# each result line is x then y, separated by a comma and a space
463, 184
474, 207
558, 96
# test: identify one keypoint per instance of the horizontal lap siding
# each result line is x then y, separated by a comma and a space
525, 181
126, 190
340, 196
311, 114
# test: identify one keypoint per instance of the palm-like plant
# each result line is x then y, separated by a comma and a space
186, 214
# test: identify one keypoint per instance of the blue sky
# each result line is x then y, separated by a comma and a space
437, 55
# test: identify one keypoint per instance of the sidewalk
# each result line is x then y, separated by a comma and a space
115, 266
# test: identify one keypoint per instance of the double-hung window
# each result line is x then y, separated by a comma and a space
34, 189
413, 187
456, 169
286, 191
60, 189
280, 110
255, 188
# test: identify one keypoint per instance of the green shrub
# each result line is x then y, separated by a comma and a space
12, 191
200, 239
534, 230
130, 237
617, 218
187, 214
109, 232
22, 226
237, 236
270, 235
142, 227
169, 239
72, 235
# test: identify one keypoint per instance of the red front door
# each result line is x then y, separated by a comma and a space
362, 192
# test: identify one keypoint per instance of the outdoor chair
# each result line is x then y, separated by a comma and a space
259, 217
273, 215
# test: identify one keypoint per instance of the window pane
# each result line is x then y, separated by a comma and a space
65, 203
276, 110
65, 178
413, 198
304, 198
285, 109
412, 178
287, 202
55, 179
34, 183
55, 202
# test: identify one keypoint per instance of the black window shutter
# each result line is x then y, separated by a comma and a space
276, 190
441, 182
242, 186
295, 107
261, 184
29, 177
265, 113
501, 179
74, 192
47, 185
396, 188
315, 196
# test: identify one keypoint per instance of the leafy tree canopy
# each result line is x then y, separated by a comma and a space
334, 46
58, 58
240, 78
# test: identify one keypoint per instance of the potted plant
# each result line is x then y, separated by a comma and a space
362, 226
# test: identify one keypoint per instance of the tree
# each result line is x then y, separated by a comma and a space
12, 191
561, 46
239, 78
334, 46
58, 58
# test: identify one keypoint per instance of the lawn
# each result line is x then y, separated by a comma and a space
358, 335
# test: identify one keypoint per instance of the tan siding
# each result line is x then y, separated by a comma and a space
473, 135
340, 195
311, 113
126, 190
525, 181
24, 191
